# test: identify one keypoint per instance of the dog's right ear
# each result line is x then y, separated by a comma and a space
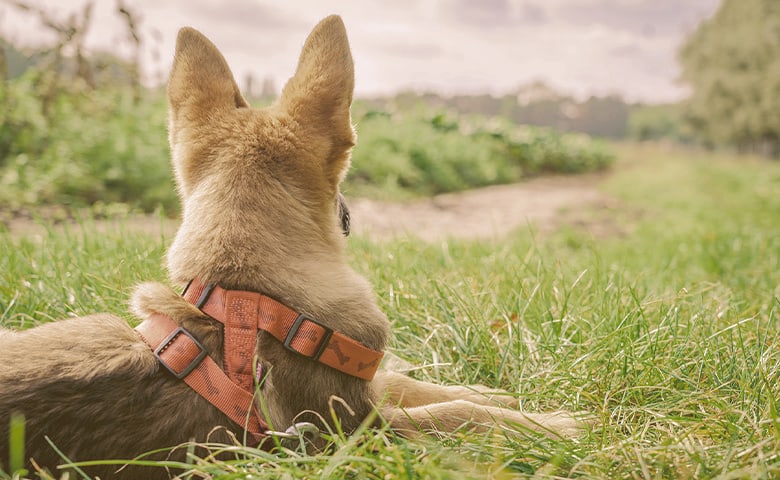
319, 95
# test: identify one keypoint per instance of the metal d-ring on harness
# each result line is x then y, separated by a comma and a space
297, 436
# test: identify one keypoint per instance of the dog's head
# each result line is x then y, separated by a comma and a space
259, 182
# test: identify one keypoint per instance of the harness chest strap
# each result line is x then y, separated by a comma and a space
180, 353
298, 332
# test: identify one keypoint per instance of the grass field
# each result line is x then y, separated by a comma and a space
665, 328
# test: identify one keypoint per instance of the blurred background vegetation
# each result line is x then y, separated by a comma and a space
79, 130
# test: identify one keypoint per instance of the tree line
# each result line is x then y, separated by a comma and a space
538, 104
732, 64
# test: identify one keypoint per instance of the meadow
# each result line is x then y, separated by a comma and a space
664, 328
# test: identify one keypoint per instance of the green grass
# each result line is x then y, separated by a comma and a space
664, 329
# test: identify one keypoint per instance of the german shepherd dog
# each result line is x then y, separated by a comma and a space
262, 225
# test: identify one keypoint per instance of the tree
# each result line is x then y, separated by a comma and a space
732, 64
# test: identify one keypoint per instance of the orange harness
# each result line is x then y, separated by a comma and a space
243, 314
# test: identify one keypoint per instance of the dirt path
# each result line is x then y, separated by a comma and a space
484, 213
546, 203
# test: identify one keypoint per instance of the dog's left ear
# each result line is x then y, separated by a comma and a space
201, 81
200, 87
319, 95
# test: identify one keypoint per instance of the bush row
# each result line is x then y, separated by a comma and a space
429, 153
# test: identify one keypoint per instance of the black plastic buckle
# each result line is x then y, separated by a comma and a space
294, 331
167, 342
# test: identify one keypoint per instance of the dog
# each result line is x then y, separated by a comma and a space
272, 312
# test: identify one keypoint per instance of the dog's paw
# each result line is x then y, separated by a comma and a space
561, 424
565, 424
482, 395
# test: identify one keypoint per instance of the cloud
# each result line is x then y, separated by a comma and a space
645, 17
410, 49
491, 14
243, 15
582, 46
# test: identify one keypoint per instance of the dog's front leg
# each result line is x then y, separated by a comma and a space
413, 408
451, 416
398, 389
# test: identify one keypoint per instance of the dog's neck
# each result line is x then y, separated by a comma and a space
302, 266
298, 263
338, 297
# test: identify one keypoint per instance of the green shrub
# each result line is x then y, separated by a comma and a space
435, 153
97, 146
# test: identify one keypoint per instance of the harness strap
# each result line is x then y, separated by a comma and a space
179, 352
240, 339
298, 332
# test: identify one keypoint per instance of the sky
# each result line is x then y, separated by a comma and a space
580, 47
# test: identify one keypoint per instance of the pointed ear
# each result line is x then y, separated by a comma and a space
319, 95
201, 81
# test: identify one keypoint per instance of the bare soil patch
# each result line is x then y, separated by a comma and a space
543, 203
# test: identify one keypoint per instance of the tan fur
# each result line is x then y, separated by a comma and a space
260, 212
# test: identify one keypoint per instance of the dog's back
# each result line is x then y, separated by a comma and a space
90, 388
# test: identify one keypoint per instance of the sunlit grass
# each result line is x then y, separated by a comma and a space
664, 328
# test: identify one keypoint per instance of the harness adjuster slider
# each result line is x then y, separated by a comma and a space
169, 340
294, 331
204, 296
